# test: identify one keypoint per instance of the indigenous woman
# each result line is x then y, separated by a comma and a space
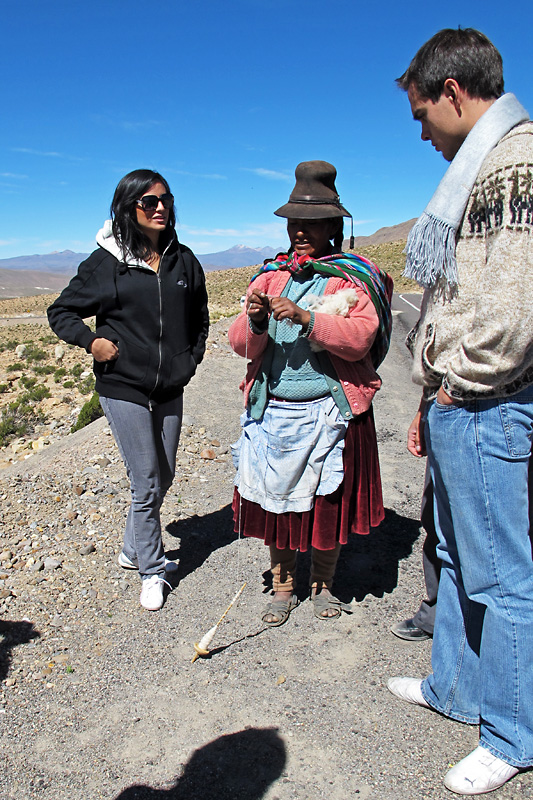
148, 294
316, 324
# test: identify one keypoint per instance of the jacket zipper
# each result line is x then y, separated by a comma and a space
160, 345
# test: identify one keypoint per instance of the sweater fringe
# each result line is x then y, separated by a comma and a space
430, 252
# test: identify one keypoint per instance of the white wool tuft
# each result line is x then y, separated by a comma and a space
339, 303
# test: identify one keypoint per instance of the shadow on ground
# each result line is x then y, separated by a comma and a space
11, 635
199, 537
238, 766
367, 564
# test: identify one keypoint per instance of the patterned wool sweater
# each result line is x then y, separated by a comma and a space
480, 341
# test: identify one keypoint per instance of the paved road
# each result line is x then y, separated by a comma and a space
8, 321
406, 309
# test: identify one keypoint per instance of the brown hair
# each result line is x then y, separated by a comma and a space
465, 55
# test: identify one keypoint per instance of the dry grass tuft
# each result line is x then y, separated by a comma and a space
225, 289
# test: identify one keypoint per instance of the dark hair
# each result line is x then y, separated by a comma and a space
126, 229
465, 55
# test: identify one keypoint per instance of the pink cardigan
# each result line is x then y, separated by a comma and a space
347, 340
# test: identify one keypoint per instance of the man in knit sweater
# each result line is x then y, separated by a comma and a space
472, 250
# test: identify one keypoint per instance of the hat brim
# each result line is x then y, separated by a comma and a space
311, 211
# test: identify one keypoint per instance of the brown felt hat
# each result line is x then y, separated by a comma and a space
315, 195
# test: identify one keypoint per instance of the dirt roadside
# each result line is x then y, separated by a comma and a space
100, 699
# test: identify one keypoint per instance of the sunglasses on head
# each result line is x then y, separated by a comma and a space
150, 201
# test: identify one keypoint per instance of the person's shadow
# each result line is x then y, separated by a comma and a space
11, 635
238, 766
199, 537
367, 564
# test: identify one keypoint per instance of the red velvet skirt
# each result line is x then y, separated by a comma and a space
355, 507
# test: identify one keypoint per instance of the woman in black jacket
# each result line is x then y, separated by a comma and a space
148, 294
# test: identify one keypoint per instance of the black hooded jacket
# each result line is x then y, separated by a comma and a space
158, 320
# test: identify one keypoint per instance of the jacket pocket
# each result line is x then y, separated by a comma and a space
132, 363
182, 368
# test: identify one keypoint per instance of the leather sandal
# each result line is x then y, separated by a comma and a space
327, 602
280, 609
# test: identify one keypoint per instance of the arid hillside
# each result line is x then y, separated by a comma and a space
45, 383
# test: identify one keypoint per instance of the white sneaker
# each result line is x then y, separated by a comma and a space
152, 592
126, 563
408, 689
478, 773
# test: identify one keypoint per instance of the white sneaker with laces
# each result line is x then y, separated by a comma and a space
408, 689
152, 592
478, 773
127, 563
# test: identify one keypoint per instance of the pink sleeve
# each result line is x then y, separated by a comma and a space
242, 339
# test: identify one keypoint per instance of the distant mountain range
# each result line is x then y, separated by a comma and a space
394, 233
65, 261
24, 276
238, 256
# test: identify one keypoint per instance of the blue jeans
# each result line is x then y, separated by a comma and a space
148, 441
482, 654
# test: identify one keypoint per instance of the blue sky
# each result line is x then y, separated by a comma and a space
224, 98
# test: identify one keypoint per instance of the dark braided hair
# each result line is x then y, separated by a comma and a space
338, 236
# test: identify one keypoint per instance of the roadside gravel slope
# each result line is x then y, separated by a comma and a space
99, 699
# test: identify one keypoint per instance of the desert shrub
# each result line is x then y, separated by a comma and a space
35, 394
17, 419
90, 411
86, 386
16, 367
76, 370
43, 369
60, 373
48, 338
35, 353
9, 345
22, 406
27, 383
68, 384
4, 387
11, 426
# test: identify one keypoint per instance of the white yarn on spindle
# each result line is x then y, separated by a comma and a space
202, 647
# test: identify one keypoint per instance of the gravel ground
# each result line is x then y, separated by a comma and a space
99, 699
